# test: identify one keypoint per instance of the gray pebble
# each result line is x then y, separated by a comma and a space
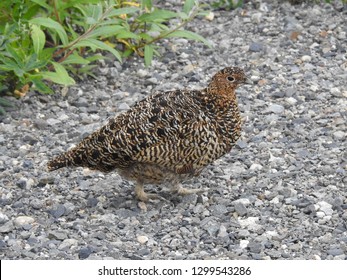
335, 252
58, 211
7, 227
256, 47
84, 252
59, 235
276, 108
241, 209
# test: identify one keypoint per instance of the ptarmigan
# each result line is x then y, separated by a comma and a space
167, 137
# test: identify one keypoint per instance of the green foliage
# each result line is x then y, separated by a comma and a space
227, 4
4, 103
44, 41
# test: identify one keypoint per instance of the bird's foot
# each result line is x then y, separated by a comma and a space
183, 191
145, 197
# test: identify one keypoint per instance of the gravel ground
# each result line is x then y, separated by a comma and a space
280, 194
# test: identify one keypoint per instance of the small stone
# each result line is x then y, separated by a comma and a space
92, 202
335, 252
222, 231
58, 235
123, 106
3, 218
306, 58
2, 245
23, 220
241, 209
244, 244
142, 239
68, 243
241, 144
256, 47
255, 247
144, 252
340, 135
210, 16
152, 81
22, 183
320, 214
335, 91
256, 17
276, 108
244, 201
58, 211
53, 122
36, 203
256, 166
250, 222
291, 100
142, 73
325, 207
46, 179
84, 253
7, 227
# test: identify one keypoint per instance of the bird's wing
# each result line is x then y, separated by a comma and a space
178, 136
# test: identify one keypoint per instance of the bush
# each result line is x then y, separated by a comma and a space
44, 41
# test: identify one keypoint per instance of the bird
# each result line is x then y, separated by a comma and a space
165, 138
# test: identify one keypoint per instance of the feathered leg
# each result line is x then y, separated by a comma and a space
177, 188
142, 195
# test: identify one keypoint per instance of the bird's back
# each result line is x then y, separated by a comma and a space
181, 131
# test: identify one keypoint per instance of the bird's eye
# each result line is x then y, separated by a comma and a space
230, 78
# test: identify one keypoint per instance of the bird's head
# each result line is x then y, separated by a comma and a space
226, 81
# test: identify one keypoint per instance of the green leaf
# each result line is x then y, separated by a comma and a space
33, 63
122, 11
105, 31
40, 85
16, 54
60, 76
75, 59
148, 55
189, 35
54, 25
188, 5
96, 44
5, 103
43, 4
157, 15
146, 4
127, 35
38, 37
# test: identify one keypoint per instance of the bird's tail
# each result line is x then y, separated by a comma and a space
63, 160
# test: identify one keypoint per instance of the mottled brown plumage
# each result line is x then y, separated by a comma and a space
166, 137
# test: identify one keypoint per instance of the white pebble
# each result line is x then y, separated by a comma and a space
306, 58
249, 222
142, 239
243, 244
256, 166
142, 73
325, 207
339, 135
291, 100
244, 201
335, 91
23, 220
320, 214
